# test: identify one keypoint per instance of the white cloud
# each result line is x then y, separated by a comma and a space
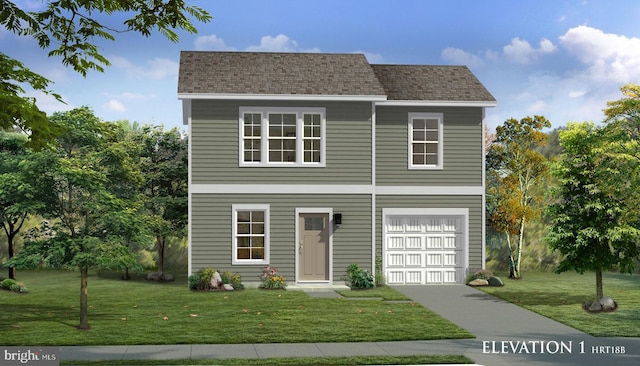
114, 105
279, 43
161, 68
576, 93
609, 57
461, 57
157, 68
521, 52
211, 43
130, 96
538, 107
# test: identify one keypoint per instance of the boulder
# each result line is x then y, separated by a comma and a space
159, 276
216, 280
607, 304
594, 307
227, 287
479, 282
495, 281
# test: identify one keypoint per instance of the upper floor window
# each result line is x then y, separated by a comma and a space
425, 140
274, 136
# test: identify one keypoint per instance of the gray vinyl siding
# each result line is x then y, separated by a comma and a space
473, 203
212, 224
215, 140
462, 146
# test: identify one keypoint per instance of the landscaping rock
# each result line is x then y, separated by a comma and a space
160, 276
495, 281
479, 282
607, 304
594, 307
216, 280
227, 287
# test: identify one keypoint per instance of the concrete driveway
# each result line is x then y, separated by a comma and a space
510, 335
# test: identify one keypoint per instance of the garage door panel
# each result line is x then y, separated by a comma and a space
414, 242
395, 277
434, 242
414, 260
414, 277
395, 242
424, 249
395, 225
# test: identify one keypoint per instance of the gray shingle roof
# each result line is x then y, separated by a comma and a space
323, 74
428, 82
277, 73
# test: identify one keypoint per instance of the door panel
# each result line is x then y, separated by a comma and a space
314, 247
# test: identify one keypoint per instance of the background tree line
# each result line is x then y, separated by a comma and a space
567, 199
107, 193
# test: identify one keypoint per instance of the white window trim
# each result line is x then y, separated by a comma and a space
440, 118
264, 136
234, 233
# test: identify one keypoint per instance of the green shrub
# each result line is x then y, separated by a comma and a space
234, 279
380, 280
12, 285
8, 283
358, 278
271, 280
206, 274
202, 280
194, 281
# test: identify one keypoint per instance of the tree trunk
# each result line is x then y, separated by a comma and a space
599, 294
125, 275
512, 267
10, 237
84, 316
160, 243
519, 248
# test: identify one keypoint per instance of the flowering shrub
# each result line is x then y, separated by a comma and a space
483, 274
271, 280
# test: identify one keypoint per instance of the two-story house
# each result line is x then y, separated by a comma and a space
309, 162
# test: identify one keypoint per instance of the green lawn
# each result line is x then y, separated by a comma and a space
298, 361
141, 312
560, 297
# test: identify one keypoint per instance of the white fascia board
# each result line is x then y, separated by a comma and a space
288, 97
436, 103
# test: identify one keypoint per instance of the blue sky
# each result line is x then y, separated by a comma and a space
560, 59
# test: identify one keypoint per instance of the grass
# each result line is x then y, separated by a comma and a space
141, 312
299, 361
560, 297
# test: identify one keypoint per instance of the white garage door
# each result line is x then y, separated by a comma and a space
424, 249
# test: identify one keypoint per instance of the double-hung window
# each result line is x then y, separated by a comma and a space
425, 141
250, 234
275, 136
